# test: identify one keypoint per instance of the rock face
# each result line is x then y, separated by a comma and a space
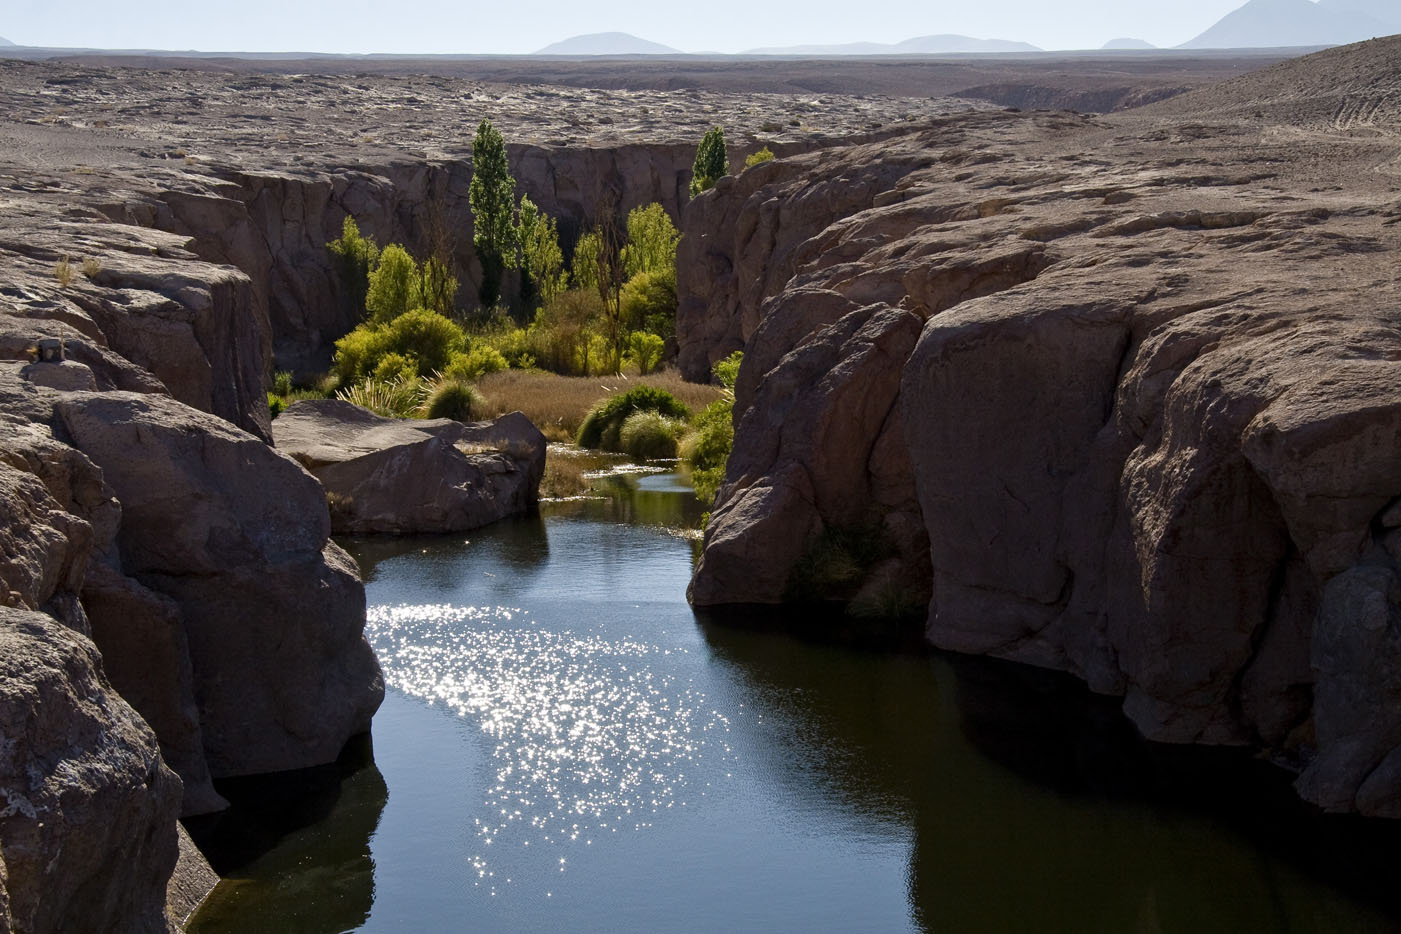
1149, 444
402, 476
236, 536
89, 818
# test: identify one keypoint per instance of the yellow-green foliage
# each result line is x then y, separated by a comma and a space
645, 350
542, 260
394, 366
426, 338
473, 365
436, 287
755, 158
649, 302
588, 259
63, 272
652, 239
602, 427
392, 284
707, 450
561, 339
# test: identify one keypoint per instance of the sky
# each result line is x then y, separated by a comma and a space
471, 26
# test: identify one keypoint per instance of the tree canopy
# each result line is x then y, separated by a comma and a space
711, 163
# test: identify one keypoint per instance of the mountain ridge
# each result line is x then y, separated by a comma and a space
607, 43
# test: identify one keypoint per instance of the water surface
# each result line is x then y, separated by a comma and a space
566, 747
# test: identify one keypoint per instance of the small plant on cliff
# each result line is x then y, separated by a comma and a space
711, 163
758, 158
63, 272
602, 427
92, 266
492, 196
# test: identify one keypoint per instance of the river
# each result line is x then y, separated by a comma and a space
566, 747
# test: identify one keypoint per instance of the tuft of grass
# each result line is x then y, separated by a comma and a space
63, 272
91, 267
392, 398
835, 563
650, 435
558, 404
455, 399
602, 427
282, 383
564, 474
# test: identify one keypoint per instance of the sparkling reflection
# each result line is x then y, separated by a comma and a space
591, 734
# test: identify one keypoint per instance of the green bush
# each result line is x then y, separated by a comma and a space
282, 383
454, 399
649, 302
394, 366
757, 158
652, 239
835, 563
650, 435
424, 337
392, 285
707, 450
602, 427
645, 350
476, 363
276, 405
355, 257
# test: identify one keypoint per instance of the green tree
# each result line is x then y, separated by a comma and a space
652, 239
393, 285
541, 260
436, 287
355, 258
492, 195
711, 163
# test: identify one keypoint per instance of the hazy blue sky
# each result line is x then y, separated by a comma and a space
512, 27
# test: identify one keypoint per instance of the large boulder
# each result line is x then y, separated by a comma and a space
402, 476
88, 827
236, 536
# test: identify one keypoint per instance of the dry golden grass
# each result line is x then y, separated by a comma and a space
557, 404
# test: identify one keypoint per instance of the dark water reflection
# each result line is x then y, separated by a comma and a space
567, 747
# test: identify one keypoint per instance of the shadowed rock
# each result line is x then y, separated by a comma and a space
408, 475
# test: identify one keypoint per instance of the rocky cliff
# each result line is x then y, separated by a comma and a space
1151, 416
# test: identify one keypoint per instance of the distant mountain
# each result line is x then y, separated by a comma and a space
1272, 23
920, 45
607, 43
1128, 44
6, 42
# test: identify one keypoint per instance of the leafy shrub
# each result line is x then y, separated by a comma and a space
649, 302
454, 399
392, 284
560, 338
727, 370
276, 405
282, 383
707, 449
473, 365
603, 425
649, 435
394, 366
645, 350
424, 337
757, 158
652, 239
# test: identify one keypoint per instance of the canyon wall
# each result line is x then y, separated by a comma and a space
1089, 390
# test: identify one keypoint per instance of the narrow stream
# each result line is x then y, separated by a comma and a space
566, 747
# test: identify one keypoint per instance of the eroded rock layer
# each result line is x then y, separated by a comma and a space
1152, 421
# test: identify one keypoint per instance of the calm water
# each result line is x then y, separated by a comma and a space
566, 747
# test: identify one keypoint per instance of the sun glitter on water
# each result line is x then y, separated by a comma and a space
588, 738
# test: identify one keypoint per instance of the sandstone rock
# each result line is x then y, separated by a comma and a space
190, 883
66, 375
801, 456
88, 829
236, 535
398, 476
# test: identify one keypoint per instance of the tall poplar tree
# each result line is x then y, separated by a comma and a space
492, 195
711, 163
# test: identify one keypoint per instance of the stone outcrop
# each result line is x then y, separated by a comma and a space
89, 816
1149, 443
236, 535
402, 476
